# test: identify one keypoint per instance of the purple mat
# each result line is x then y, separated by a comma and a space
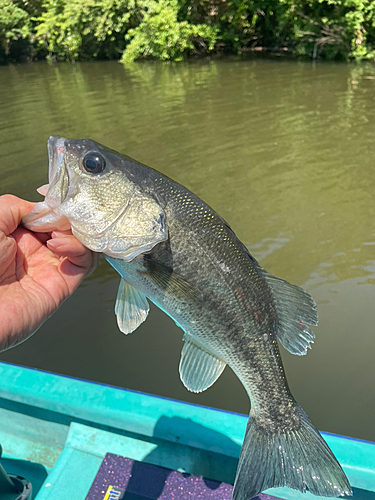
121, 478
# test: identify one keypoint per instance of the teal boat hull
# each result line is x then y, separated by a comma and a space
56, 430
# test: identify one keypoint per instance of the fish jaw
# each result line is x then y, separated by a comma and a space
56, 151
43, 218
45, 215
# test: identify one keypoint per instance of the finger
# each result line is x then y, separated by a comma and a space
12, 209
73, 274
68, 246
44, 237
8, 249
58, 233
28, 243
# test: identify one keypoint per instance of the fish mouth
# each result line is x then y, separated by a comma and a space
45, 215
56, 151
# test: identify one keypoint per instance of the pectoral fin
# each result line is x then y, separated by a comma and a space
131, 307
199, 368
172, 283
295, 308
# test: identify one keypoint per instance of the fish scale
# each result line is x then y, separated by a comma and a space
228, 332
171, 248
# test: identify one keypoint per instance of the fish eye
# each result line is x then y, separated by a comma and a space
93, 163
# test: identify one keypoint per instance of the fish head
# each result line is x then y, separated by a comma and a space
93, 191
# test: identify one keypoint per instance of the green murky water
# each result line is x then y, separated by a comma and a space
284, 151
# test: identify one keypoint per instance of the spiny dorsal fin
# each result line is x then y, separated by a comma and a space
131, 307
294, 308
199, 368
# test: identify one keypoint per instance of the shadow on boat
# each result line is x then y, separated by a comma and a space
210, 453
206, 455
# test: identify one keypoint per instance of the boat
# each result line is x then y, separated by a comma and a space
69, 439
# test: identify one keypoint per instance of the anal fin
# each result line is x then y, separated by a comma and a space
131, 307
199, 368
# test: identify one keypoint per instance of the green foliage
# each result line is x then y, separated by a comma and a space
14, 24
334, 29
174, 29
161, 35
84, 29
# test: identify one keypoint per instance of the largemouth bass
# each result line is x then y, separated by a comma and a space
171, 248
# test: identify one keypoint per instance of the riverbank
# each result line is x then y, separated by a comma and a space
69, 30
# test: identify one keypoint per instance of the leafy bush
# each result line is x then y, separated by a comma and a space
84, 29
14, 25
161, 35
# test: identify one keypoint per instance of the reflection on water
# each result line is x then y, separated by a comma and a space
283, 151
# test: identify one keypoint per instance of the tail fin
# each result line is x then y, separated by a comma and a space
297, 458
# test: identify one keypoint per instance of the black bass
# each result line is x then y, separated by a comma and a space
173, 249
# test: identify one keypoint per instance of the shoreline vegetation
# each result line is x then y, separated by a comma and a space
128, 30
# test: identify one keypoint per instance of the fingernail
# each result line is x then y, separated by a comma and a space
51, 243
56, 243
57, 234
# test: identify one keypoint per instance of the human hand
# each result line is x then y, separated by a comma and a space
38, 271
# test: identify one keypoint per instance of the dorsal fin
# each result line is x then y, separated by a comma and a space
295, 309
131, 307
199, 368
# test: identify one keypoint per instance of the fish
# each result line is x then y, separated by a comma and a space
172, 249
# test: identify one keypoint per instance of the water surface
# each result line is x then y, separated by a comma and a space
284, 151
